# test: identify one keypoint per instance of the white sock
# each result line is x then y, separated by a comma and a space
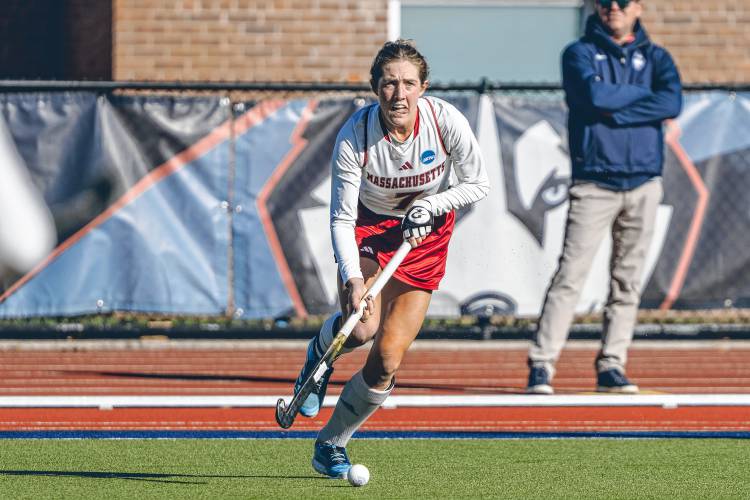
357, 402
324, 339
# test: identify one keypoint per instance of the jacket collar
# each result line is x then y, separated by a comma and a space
597, 33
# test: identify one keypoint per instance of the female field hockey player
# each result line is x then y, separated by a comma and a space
392, 181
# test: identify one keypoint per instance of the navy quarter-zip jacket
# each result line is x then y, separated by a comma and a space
618, 97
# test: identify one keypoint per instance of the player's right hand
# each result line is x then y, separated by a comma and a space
418, 222
356, 289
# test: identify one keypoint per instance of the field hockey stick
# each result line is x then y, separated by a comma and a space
285, 415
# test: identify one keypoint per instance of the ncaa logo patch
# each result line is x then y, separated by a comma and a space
427, 157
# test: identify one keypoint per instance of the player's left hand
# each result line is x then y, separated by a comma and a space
418, 222
355, 289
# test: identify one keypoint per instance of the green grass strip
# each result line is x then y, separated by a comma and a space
409, 469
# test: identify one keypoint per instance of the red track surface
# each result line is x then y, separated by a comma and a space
492, 419
497, 368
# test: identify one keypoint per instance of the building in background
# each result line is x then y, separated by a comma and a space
56, 39
334, 40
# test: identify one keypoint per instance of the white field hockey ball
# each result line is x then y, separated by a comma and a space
358, 475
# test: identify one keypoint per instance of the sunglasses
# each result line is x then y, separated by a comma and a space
607, 4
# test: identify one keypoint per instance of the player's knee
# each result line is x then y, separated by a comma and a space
381, 369
362, 334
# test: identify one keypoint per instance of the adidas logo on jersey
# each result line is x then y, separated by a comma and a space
406, 166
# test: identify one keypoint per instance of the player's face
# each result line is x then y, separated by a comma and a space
619, 20
398, 92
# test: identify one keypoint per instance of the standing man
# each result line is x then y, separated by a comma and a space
619, 88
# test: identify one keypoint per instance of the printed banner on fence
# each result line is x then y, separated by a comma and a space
135, 185
194, 206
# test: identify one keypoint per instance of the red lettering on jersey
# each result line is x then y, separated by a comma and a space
408, 181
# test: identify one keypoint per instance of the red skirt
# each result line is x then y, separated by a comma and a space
379, 236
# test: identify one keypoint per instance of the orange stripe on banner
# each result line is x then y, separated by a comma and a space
691, 241
256, 115
218, 135
298, 144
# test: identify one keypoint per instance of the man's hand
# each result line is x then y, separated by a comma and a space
418, 222
355, 288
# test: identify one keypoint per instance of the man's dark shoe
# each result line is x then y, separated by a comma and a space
539, 381
615, 382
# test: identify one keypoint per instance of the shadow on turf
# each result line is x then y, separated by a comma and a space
133, 476
144, 476
287, 381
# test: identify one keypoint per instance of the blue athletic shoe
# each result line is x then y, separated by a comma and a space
314, 401
330, 460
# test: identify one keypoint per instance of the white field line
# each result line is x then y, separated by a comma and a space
583, 400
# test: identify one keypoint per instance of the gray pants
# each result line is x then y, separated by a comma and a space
630, 217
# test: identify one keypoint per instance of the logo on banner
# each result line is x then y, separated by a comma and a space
537, 172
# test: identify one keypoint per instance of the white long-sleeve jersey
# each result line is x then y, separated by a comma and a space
441, 163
